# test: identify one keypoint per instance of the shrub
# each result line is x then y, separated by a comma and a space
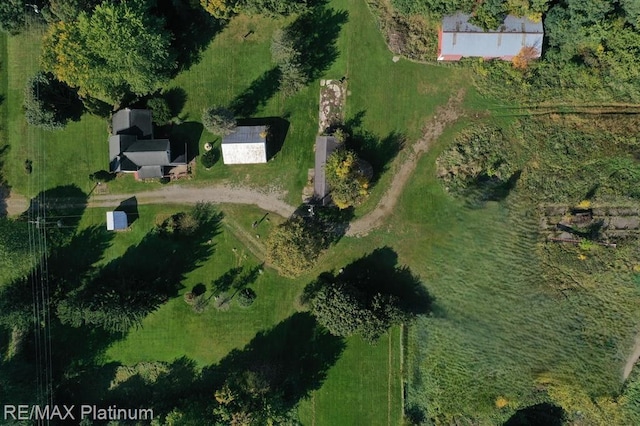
218, 120
295, 245
349, 185
209, 158
161, 111
478, 166
50, 104
246, 297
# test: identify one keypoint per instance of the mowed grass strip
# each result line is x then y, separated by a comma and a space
362, 388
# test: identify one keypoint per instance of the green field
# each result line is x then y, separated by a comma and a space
507, 330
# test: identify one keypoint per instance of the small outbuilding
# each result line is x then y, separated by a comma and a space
117, 221
245, 145
325, 145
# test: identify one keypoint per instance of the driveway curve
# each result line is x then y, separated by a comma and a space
445, 116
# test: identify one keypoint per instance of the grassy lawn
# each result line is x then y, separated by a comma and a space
391, 99
497, 326
59, 158
366, 377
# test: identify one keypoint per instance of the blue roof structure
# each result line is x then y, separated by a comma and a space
116, 221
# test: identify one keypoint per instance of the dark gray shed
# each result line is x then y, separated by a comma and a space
325, 145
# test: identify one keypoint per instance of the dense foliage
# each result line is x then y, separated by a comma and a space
12, 14
117, 296
479, 166
117, 50
15, 253
218, 120
49, 103
367, 297
286, 56
344, 174
589, 57
225, 9
67, 10
160, 110
295, 245
345, 310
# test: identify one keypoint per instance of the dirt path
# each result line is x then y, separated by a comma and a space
404, 167
176, 194
633, 358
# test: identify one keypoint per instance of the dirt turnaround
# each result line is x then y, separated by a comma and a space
405, 166
271, 201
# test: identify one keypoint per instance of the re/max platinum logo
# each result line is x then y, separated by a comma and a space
73, 412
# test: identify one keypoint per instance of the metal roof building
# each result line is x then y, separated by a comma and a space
458, 38
116, 221
325, 145
245, 145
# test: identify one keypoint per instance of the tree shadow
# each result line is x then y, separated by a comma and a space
76, 259
76, 361
123, 292
539, 414
489, 188
102, 176
279, 367
57, 211
278, 129
257, 94
185, 139
130, 207
379, 272
225, 282
379, 152
192, 27
273, 372
315, 34
176, 98
235, 279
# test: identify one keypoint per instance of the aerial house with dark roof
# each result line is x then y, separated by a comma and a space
459, 38
133, 149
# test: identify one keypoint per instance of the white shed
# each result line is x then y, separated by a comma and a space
246, 145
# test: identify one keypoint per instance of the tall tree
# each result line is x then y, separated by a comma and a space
12, 14
346, 310
117, 50
49, 103
344, 173
15, 255
218, 120
295, 245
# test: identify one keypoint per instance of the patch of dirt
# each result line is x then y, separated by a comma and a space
332, 96
405, 166
16, 204
633, 358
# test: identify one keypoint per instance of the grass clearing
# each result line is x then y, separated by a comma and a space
499, 325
